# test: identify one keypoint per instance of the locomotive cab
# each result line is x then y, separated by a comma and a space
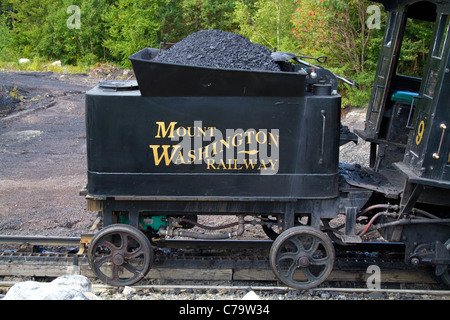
407, 125
407, 116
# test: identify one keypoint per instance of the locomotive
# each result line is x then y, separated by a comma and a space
184, 141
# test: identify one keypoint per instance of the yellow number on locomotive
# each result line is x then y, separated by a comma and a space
420, 130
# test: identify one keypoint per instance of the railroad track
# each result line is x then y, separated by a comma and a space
208, 261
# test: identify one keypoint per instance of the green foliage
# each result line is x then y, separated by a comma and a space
4, 37
338, 29
27, 24
131, 26
415, 47
173, 26
207, 14
267, 22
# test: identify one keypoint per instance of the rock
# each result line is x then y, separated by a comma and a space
251, 295
67, 287
377, 296
325, 295
74, 281
56, 63
279, 291
31, 290
22, 61
128, 291
176, 291
91, 296
7, 104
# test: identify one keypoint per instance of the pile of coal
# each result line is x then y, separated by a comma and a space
218, 49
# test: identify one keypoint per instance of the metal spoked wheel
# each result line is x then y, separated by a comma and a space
302, 257
120, 255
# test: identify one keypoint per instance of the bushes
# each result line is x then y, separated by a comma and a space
109, 30
129, 27
4, 37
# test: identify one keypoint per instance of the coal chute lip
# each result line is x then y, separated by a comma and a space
145, 55
165, 79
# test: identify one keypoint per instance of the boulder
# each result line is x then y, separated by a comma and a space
67, 287
21, 61
251, 295
74, 281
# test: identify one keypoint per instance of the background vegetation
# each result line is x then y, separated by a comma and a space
112, 30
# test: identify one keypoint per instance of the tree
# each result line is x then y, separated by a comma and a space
338, 29
415, 47
208, 14
26, 19
173, 26
4, 36
268, 22
131, 26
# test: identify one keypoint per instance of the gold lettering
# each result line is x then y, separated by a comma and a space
235, 165
178, 131
247, 164
210, 163
180, 159
225, 143
273, 163
263, 165
211, 134
162, 129
272, 138
249, 134
233, 141
264, 137
191, 154
164, 154
221, 163
201, 132
203, 151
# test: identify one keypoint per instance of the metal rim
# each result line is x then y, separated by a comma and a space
302, 257
120, 255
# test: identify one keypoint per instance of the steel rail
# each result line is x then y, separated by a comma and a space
193, 243
41, 240
273, 288
103, 287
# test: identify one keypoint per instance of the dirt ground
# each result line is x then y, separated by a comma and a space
43, 153
43, 156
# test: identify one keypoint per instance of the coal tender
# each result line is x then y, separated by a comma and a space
188, 140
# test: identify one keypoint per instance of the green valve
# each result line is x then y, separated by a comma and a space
123, 219
153, 222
